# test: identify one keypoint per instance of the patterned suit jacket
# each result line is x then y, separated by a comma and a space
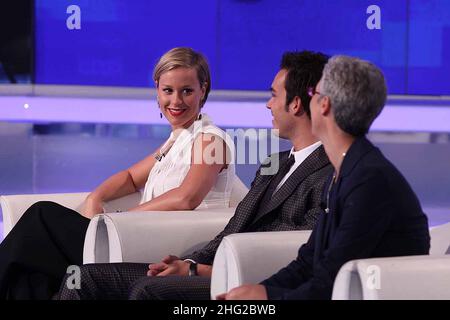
295, 206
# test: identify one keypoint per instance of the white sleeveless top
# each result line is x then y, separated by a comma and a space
170, 172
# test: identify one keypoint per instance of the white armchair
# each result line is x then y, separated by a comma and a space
134, 237
148, 237
413, 277
252, 257
396, 278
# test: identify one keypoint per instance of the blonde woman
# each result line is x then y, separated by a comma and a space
193, 168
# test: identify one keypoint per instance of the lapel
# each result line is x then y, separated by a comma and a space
252, 200
355, 154
315, 161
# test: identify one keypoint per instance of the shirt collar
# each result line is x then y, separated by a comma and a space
302, 154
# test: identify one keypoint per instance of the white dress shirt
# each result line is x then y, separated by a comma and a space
170, 172
300, 156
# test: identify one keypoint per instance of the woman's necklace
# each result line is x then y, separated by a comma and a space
333, 181
327, 209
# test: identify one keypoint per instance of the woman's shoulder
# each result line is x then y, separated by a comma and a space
208, 127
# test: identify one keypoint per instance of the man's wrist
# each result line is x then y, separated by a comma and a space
192, 271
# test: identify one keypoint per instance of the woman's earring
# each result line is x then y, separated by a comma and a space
159, 106
199, 116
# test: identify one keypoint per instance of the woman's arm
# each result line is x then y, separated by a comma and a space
118, 185
209, 156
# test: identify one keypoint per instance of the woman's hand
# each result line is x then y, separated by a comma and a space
91, 207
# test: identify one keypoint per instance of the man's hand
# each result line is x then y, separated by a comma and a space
245, 292
170, 265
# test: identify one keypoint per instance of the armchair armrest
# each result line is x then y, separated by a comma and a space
13, 206
252, 257
405, 278
149, 236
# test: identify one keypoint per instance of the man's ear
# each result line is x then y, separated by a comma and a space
325, 105
297, 106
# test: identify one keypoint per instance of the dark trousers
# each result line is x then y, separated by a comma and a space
121, 281
35, 255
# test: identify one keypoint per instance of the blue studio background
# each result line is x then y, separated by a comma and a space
120, 41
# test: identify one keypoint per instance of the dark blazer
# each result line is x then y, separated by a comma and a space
373, 213
294, 206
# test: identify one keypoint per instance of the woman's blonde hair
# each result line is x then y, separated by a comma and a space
188, 58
